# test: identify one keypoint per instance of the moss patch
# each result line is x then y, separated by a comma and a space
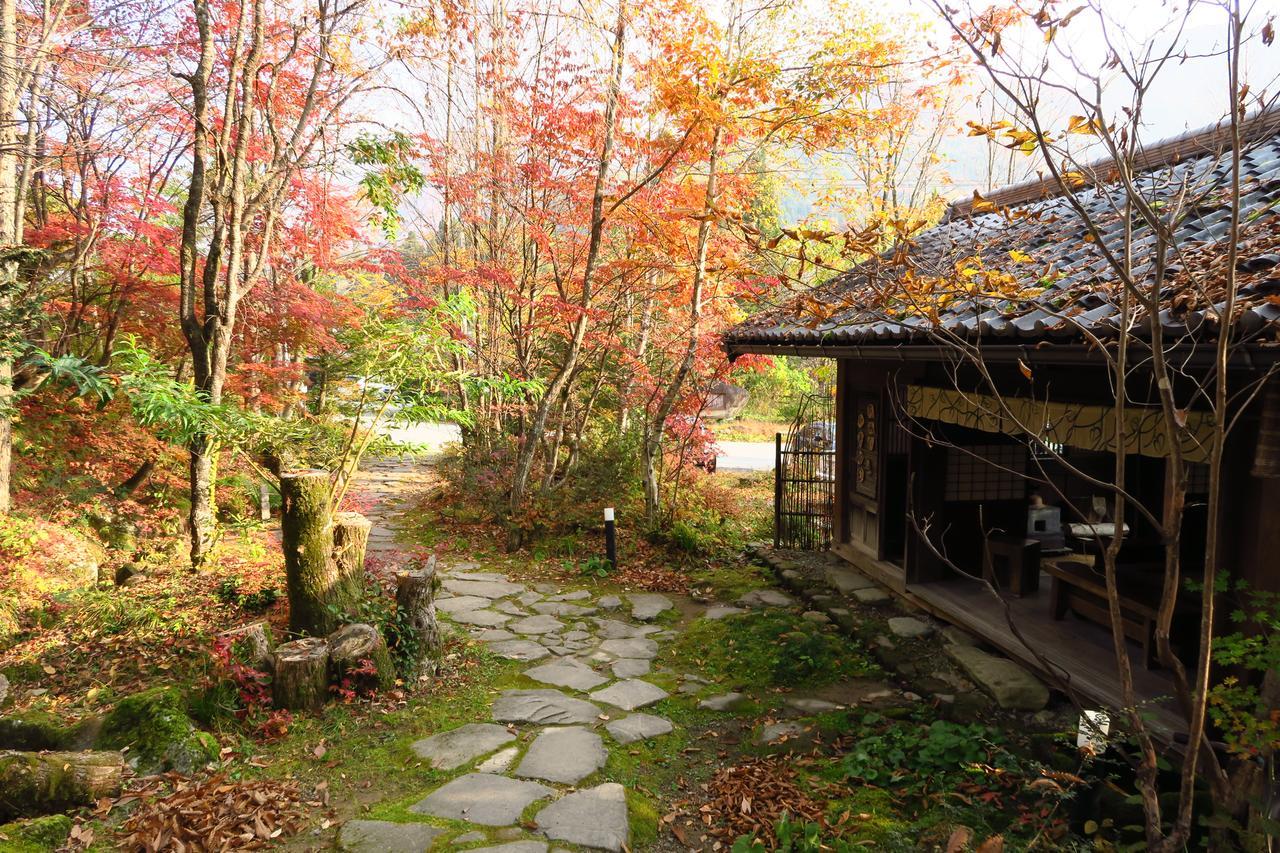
769, 649
37, 834
156, 730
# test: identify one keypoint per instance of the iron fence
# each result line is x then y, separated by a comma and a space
804, 476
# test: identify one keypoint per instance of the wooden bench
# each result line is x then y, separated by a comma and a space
1080, 588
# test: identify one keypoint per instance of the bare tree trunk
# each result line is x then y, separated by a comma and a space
10, 227
36, 783
533, 434
416, 602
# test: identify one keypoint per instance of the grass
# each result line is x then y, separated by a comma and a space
749, 429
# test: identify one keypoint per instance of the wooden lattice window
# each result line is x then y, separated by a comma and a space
865, 468
987, 472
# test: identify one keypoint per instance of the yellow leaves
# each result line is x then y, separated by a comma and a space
1020, 257
1084, 126
981, 205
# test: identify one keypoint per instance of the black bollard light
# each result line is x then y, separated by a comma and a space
610, 539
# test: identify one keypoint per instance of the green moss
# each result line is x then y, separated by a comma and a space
769, 649
156, 730
33, 730
642, 813
35, 835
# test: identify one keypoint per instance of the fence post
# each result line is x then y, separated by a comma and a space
777, 490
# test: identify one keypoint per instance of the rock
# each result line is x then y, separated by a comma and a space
483, 618
528, 598
513, 847
815, 617
810, 706
846, 580
596, 817
500, 761
470, 837
610, 602
725, 702
537, 625
612, 629
689, 689
509, 607
464, 572
766, 598
956, 637
565, 673
1012, 686
519, 650
482, 588
461, 603
636, 647
630, 667
630, 694
556, 608
634, 727
646, 606
375, 836
775, 732
42, 833
719, 611
577, 636
909, 627
565, 755
494, 635
871, 595
483, 799
158, 733
544, 707
576, 595
452, 749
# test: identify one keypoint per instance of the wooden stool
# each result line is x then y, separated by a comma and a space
1013, 564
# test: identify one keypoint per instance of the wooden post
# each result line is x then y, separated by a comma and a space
777, 490
301, 678
316, 594
416, 599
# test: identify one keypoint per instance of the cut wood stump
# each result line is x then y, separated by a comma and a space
350, 542
317, 597
253, 643
37, 783
416, 600
349, 647
300, 680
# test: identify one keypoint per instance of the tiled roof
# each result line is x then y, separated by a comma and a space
1069, 290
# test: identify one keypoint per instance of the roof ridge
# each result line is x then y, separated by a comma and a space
1205, 141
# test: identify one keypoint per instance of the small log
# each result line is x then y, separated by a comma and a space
416, 600
352, 644
300, 678
37, 783
350, 543
316, 597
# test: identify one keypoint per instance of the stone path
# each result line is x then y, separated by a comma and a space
531, 774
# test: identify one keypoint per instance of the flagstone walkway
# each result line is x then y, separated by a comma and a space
528, 776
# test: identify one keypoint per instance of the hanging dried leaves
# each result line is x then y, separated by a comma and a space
218, 814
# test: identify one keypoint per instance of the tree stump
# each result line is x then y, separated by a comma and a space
416, 601
36, 783
352, 644
252, 643
300, 681
316, 594
350, 542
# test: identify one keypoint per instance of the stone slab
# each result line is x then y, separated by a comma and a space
500, 761
635, 647
846, 580
576, 595
909, 627
1013, 687
467, 575
560, 608
871, 595
566, 755
630, 694
543, 707
612, 629
630, 667
483, 618
596, 817
724, 702
519, 650
719, 611
513, 847
646, 606
483, 799
610, 602
483, 589
383, 836
565, 673
634, 727
454, 748
766, 598
537, 625
460, 603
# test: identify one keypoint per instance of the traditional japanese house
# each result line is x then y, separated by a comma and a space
977, 406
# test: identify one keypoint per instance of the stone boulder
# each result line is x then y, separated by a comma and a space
1013, 687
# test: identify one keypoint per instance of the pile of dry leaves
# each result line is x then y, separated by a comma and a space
748, 799
217, 814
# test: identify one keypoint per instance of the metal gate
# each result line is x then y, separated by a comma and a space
804, 475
